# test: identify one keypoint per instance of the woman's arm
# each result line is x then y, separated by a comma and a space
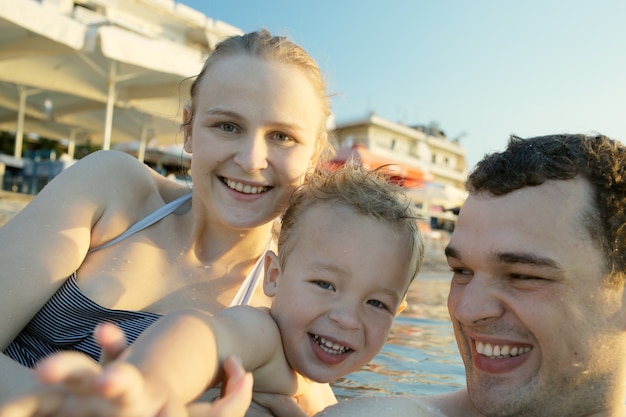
51, 400
168, 366
318, 397
48, 240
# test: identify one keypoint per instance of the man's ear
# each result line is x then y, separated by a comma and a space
272, 274
402, 306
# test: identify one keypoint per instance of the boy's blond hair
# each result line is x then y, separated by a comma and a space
369, 193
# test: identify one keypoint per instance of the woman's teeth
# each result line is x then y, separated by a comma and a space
242, 188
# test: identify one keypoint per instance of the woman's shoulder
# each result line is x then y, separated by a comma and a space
111, 165
119, 174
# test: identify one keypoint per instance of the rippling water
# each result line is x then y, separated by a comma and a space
420, 356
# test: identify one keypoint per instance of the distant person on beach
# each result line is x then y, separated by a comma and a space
110, 240
537, 297
348, 250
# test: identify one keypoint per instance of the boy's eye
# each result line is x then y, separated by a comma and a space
377, 304
325, 285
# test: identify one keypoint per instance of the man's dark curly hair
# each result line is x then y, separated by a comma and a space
598, 159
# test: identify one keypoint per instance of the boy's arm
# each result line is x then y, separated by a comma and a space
182, 354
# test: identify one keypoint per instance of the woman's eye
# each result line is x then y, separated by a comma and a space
282, 137
228, 127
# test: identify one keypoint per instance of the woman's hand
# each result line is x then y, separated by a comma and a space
317, 398
236, 396
73, 384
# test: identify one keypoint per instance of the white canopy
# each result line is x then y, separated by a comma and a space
60, 77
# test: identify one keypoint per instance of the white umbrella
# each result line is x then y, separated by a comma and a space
97, 79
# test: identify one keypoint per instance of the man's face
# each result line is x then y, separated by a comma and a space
539, 329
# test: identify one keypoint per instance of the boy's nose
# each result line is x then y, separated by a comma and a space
345, 315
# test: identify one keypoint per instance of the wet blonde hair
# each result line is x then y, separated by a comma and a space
262, 44
369, 193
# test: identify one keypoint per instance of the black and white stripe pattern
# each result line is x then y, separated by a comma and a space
67, 322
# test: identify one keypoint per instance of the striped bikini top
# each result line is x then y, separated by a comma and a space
68, 319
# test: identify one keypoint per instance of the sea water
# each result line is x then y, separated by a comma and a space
421, 356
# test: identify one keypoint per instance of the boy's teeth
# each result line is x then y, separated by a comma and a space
330, 347
246, 189
500, 351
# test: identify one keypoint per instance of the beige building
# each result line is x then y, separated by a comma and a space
443, 158
440, 159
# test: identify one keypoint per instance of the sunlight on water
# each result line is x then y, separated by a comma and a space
420, 356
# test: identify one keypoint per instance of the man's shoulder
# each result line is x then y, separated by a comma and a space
446, 405
397, 406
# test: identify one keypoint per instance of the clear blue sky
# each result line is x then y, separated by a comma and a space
481, 69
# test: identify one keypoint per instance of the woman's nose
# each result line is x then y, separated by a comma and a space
252, 153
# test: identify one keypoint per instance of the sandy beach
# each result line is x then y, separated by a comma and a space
11, 203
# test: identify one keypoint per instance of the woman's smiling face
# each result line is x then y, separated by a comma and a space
254, 133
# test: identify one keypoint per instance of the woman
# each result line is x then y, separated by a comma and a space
255, 124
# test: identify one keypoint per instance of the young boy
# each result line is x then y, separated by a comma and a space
349, 247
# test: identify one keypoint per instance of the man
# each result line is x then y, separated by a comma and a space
537, 296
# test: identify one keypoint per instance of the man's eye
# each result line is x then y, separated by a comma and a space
521, 277
461, 276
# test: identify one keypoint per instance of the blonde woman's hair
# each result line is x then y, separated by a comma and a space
262, 44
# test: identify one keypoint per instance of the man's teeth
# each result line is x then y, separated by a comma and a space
330, 347
500, 351
246, 189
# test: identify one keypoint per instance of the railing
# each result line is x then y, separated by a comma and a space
31, 173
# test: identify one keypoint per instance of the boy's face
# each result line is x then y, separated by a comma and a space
339, 292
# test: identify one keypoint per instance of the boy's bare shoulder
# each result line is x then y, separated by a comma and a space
248, 317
